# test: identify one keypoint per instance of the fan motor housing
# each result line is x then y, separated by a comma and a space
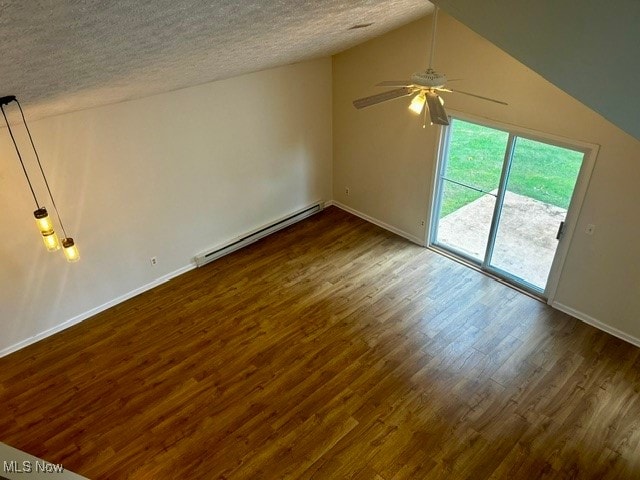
430, 78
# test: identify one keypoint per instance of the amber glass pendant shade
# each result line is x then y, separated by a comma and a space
70, 250
43, 221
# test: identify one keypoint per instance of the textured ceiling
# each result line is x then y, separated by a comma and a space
58, 56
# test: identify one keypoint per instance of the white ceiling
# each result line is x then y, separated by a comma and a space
58, 56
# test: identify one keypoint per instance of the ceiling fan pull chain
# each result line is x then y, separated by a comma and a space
424, 121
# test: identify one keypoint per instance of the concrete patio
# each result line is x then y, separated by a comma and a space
526, 240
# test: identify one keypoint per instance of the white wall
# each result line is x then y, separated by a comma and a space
386, 159
174, 174
166, 176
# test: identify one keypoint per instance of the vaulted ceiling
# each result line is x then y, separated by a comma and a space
63, 55
588, 48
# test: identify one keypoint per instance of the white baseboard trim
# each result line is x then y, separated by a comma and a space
377, 222
596, 323
111, 303
94, 311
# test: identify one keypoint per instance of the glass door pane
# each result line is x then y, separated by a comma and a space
468, 184
539, 186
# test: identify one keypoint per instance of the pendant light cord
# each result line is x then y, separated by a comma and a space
53, 202
15, 145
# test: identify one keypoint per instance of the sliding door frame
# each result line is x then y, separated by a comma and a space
590, 153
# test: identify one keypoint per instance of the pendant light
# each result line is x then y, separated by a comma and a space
43, 221
46, 229
70, 250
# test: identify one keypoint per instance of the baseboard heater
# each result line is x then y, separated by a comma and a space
237, 243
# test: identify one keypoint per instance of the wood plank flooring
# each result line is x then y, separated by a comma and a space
332, 349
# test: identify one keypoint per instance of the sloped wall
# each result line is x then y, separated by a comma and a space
387, 160
589, 49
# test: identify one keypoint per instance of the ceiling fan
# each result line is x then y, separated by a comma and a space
425, 87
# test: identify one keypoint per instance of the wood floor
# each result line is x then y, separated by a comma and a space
332, 349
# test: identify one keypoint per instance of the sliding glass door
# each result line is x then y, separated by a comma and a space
469, 184
501, 200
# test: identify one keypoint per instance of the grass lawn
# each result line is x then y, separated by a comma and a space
544, 172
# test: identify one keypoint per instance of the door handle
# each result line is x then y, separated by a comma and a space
560, 231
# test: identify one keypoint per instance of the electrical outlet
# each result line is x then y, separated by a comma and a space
346, 191
154, 261
591, 228
422, 223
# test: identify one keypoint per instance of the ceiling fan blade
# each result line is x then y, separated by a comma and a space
382, 97
479, 96
436, 109
394, 83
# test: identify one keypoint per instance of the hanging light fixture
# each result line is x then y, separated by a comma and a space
46, 229
70, 250
43, 221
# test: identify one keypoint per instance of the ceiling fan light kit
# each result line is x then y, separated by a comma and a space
417, 103
424, 86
